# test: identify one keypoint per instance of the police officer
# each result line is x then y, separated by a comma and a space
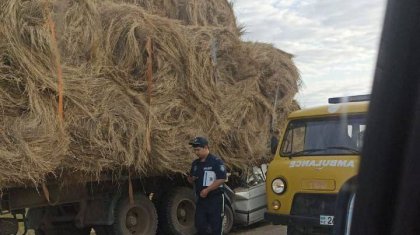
208, 173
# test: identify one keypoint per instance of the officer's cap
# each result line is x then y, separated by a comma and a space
199, 142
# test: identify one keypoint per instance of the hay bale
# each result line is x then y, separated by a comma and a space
205, 82
252, 104
32, 141
79, 32
114, 136
215, 13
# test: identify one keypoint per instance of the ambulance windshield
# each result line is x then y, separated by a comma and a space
324, 136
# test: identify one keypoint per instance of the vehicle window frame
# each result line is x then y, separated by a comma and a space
309, 119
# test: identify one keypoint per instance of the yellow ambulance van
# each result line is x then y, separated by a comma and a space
318, 152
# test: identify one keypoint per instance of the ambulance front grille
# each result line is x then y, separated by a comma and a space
313, 205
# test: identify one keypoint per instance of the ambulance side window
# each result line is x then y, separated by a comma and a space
295, 138
356, 131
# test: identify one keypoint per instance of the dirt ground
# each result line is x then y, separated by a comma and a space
262, 228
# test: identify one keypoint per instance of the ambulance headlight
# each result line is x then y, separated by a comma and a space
278, 186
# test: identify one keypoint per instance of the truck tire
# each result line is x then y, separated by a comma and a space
138, 219
176, 211
227, 220
8, 226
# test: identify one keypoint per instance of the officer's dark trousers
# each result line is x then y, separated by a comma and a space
208, 215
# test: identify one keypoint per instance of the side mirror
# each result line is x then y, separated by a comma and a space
273, 144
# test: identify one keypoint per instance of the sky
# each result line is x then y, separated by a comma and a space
335, 42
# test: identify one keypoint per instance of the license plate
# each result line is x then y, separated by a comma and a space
326, 220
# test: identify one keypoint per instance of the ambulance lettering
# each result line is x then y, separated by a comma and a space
322, 163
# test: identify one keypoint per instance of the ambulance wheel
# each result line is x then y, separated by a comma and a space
137, 219
296, 230
177, 212
227, 220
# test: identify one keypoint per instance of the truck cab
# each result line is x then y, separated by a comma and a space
318, 152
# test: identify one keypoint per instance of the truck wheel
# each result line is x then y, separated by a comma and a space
8, 226
177, 211
137, 219
227, 220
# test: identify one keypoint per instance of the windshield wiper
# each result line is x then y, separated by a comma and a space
306, 151
344, 148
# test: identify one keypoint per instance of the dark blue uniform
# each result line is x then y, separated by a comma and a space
209, 210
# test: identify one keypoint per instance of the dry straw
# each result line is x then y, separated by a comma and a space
205, 81
192, 12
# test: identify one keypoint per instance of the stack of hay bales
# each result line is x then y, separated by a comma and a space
189, 12
204, 81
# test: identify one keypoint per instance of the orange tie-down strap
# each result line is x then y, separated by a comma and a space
57, 61
130, 190
46, 192
59, 71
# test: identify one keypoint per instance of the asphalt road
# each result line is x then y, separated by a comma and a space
261, 229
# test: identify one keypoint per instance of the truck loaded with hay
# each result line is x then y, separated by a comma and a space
99, 98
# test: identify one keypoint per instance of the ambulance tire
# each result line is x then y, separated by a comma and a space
137, 219
176, 211
228, 220
296, 230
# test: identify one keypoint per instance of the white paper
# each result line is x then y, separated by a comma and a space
209, 178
